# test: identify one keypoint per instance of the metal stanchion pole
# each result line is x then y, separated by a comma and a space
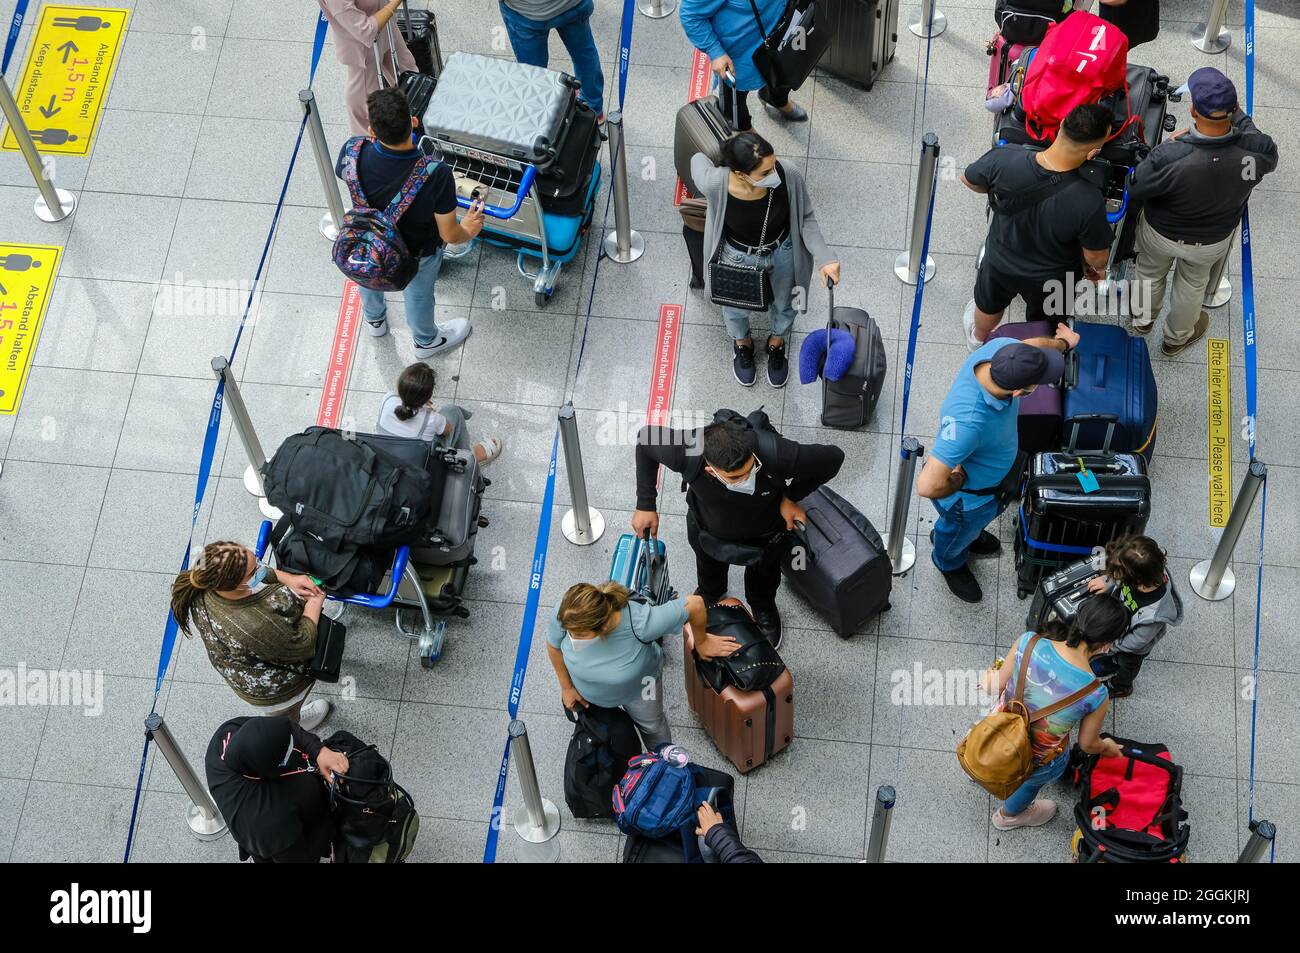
901, 550
206, 822
929, 22
247, 436
1210, 36
1260, 843
657, 9
908, 264
582, 525
1212, 579
623, 244
885, 798
537, 820
54, 204
332, 221
1218, 290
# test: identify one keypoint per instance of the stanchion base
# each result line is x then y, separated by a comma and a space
327, 227
636, 248
1216, 45
537, 835
1224, 589
253, 481
666, 8
67, 205
901, 265
569, 527
938, 25
1220, 295
267, 510
906, 558
204, 828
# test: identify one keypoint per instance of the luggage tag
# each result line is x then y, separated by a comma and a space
1087, 479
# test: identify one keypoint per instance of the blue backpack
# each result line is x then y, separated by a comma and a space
370, 250
654, 798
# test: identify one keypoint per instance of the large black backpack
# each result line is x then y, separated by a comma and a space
355, 489
1026, 21
603, 742
374, 818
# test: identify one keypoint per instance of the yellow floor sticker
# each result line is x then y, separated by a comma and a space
64, 83
27, 275
1219, 376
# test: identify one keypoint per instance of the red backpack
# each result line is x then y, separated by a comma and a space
1081, 59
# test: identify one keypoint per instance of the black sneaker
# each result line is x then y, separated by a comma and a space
986, 545
778, 368
743, 364
963, 584
769, 624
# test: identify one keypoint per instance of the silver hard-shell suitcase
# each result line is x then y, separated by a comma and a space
462, 496
866, 33
487, 105
701, 127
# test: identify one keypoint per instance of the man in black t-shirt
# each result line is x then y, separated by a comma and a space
428, 225
1049, 221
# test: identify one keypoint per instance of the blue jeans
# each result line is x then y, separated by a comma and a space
781, 263
1025, 794
958, 527
418, 297
529, 38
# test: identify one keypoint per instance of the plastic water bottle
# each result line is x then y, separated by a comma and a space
675, 755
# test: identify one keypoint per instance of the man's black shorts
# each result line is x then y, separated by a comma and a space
995, 290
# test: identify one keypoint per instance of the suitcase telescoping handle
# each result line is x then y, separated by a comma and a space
1111, 421
392, 50
410, 27
800, 533
735, 100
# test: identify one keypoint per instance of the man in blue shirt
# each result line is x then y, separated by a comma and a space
976, 448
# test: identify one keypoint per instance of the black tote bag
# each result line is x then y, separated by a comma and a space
786, 61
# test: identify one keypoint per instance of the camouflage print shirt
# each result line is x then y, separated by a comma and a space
259, 644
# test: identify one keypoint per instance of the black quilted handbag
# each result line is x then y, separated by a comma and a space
742, 286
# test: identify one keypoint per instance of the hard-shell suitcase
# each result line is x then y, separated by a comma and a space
484, 104
420, 30
849, 402
747, 727
1109, 376
864, 36
1002, 57
1061, 520
839, 563
1039, 423
419, 90
1058, 596
642, 566
701, 127
685, 846
458, 513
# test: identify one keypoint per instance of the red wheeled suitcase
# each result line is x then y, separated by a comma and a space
864, 36
1039, 423
1002, 56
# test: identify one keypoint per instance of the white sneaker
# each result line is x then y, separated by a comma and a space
377, 329
452, 335
968, 322
314, 713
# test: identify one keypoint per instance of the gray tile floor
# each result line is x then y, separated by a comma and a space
99, 466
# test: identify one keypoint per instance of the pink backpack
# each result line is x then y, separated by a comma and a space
1081, 59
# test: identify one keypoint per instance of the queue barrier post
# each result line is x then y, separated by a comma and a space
53, 204
886, 797
901, 550
331, 222
205, 821
908, 265
1212, 579
537, 820
1218, 290
929, 22
581, 525
1262, 834
623, 245
247, 436
1210, 36
657, 9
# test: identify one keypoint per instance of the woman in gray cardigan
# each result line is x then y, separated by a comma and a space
759, 214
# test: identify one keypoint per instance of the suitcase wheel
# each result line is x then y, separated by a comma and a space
483, 521
749, 722
540, 298
1023, 594
749, 762
789, 700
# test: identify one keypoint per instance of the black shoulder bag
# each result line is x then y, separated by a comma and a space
742, 286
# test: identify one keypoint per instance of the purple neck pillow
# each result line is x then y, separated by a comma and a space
814, 359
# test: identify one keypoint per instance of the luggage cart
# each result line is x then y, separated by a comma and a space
430, 636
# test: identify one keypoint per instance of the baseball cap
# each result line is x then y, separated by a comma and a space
1212, 92
1017, 366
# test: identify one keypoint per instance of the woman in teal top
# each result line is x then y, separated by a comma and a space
1060, 665
605, 650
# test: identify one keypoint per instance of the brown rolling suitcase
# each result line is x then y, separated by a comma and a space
747, 727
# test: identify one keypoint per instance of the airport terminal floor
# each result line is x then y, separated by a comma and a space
186, 138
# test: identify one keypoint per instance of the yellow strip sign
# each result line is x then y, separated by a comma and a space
26, 277
1220, 413
65, 80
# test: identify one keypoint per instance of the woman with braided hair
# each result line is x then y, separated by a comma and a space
258, 625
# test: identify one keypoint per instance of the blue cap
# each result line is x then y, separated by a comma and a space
1213, 94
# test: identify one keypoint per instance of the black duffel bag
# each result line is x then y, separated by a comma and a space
604, 740
752, 667
1026, 21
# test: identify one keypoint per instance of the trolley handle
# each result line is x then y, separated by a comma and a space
1119, 213
501, 211
379, 601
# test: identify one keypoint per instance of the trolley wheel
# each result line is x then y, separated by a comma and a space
431, 643
540, 298
460, 612
1022, 594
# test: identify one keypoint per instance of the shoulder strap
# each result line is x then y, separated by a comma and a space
411, 187
762, 31
1040, 193
351, 154
1025, 656
1066, 702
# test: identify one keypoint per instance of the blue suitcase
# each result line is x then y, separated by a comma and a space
642, 566
1109, 374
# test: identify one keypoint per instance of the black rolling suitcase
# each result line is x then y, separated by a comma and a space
849, 402
1058, 596
1062, 520
838, 563
420, 30
864, 35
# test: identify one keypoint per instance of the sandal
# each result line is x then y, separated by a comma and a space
491, 448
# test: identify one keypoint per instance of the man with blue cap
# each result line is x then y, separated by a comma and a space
1193, 189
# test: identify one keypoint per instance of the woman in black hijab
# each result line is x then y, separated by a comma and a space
267, 776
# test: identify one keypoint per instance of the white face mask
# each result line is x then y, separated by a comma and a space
747, 485
770, 181
579, 644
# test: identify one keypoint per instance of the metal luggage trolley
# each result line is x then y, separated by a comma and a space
430, 637
517, 137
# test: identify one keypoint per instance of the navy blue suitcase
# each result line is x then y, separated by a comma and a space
1109, 376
